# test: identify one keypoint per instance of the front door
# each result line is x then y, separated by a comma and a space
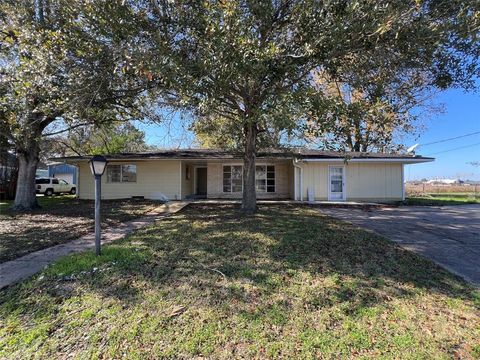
201, 181
336, 183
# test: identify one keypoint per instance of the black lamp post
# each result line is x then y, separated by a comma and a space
97, 165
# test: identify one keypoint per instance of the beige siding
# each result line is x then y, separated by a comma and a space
283, 181
291, 181
374, 181
363, 181
315, 177
154, 178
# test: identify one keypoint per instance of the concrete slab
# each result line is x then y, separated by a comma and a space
16, 270
448, 235
286, 201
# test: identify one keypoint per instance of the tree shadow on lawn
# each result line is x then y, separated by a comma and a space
67, 206
257, 268
279, 249
61, 221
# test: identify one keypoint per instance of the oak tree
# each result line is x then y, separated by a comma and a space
64, 64
250, 62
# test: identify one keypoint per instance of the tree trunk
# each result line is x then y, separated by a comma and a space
249, 200
25, 197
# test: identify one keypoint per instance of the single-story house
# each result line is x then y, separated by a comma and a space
301, 174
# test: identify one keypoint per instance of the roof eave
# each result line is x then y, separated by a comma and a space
413, 160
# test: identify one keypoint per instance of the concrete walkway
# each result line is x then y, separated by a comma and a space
16, 270
448, 235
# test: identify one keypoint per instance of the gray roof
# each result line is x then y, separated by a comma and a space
298, 153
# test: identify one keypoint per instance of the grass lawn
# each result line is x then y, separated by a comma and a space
440, 200
61, 219
206, 282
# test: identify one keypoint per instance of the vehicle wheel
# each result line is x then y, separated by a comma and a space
73, 191
49, 192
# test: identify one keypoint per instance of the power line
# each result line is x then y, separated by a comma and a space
458, 148
449, 139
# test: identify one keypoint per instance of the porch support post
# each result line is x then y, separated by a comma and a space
180, 181
297, 178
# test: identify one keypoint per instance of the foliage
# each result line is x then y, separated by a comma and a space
109, 138
297, 285
59, 67
223, 133
365, 118
64, 64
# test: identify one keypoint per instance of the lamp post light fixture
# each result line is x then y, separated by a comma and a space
97, 165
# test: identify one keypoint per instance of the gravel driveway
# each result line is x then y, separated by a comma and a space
448, 235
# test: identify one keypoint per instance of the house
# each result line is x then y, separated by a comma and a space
445, 182
303, 174
63, 171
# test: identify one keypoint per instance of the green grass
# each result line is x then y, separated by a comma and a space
44, 201
4, 205
440, 200
207, 282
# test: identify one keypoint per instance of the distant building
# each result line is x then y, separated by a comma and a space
63, 171
446, 181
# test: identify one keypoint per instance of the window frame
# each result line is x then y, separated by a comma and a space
265, 178
121, 181
231, 183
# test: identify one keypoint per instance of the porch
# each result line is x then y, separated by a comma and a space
218, 179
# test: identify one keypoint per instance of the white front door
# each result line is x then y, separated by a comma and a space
336, 183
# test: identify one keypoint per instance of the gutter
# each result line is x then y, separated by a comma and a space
295, 162
357, 160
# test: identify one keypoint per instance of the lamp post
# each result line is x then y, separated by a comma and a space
97, 165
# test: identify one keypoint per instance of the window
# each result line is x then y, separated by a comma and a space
121, 173
265, 178
114, 173
129, 173
42, 181
55, 181
233, 178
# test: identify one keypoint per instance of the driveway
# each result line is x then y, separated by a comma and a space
448, 235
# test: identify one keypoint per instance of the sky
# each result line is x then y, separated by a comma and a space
461, 116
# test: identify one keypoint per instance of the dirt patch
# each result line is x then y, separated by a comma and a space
60, 220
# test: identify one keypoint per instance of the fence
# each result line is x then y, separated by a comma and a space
423, 189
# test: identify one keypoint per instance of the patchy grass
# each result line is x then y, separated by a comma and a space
44, 201
4, 205
288, 282
60, 219
440, 200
